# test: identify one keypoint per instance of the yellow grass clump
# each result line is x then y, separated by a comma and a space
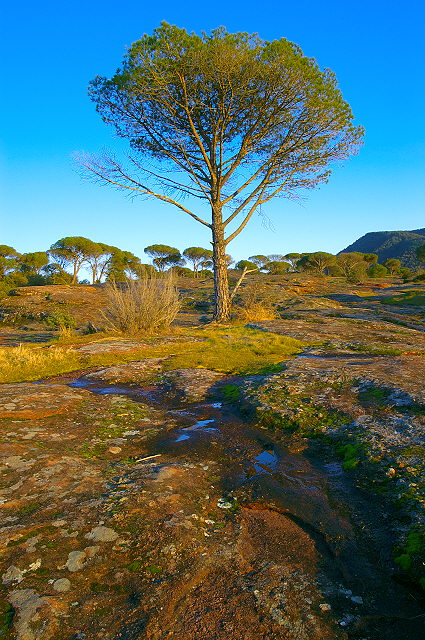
33, 363
255, 312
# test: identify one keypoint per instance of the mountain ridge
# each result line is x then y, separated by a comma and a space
391, 244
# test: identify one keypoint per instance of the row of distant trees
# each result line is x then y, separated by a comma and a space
354, 266
62, 263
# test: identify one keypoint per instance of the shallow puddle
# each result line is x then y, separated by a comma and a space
200, 425
266, 461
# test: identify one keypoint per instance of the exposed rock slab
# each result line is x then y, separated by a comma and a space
121, 346
31, 401
405, 373
344, 331
133, 372
110, 346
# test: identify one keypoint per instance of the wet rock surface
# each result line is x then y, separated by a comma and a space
141, 519
191, 385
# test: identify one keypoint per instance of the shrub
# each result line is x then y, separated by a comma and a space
143, 306
205, 273
277, 267
182, 272
377, 271
406, 273
335, 271
353, 266
393, 265
246, 264
61, 320
255, 302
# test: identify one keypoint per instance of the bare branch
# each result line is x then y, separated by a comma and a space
96, 169
239, 282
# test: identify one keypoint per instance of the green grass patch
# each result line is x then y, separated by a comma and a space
297, 414
414, 409
376, 350
410, 556
31, 508
93, 451
351, 455
153, 570
411, 298
416, 451
7, 613
232, 349
136, 565
239, 350
374, 396
231, 392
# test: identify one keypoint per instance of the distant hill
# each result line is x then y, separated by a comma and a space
391, 244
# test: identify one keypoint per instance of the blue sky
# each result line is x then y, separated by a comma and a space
51, 50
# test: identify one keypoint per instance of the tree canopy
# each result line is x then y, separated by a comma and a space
33, 262
8, 259
163, 256
318, 261
259, 260
292, 258
277, 267
393, 265
246, 264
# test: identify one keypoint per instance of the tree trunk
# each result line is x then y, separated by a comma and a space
221, 283
74, 276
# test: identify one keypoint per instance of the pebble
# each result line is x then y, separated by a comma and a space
224, 504
102, 534
114, 449
62, 585
76, 560
13, 574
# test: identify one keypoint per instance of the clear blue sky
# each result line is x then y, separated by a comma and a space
51, 50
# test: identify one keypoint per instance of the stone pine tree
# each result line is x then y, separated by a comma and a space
224, 118
199, 257
163, 256
72, 251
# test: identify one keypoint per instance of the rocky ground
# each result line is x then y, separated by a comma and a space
189, 504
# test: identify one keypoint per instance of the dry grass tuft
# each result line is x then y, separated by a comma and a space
255, 312
33, 363
142, 306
